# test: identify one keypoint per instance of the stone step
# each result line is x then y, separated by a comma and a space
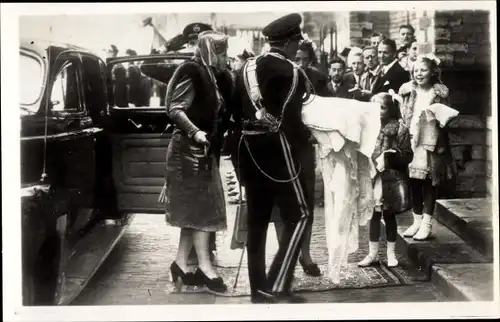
464, 282
439, 258
442, 247
471, 220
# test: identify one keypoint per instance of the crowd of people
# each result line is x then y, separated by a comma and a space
251, 108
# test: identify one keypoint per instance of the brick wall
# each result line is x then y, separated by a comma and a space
464, 37
469, 147
381, 22
388, 23
397, 18
364, 23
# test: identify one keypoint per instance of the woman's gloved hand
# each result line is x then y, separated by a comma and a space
201, 137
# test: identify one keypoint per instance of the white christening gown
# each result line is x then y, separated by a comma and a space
346, 131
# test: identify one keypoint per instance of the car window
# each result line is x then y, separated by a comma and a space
142, 83
66, 92
31, 75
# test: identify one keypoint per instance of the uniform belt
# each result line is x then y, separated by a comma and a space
256, 126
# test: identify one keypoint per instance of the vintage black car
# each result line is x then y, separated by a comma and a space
93, 144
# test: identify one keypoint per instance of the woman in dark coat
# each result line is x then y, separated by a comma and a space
194, 195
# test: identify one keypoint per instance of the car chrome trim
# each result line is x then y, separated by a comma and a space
65, 135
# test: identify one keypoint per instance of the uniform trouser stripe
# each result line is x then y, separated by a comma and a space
301, 225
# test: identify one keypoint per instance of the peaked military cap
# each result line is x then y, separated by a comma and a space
194, 29
284, 28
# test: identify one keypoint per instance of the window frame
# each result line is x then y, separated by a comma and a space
43, 66
66, 59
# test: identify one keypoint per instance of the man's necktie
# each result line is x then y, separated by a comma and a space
371, 80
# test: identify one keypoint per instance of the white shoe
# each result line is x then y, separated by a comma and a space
413, 229
425, 228
372, 255
392, 261
369, 260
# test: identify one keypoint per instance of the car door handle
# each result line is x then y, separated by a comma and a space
137, 126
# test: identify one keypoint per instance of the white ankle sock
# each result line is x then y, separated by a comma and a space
372, 255
392, 260
413, 229
373, 249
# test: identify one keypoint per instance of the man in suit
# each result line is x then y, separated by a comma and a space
407, 37
273, 142
339, 86
357, 69
370, 76
391, 75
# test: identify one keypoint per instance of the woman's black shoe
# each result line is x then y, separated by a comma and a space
177, 272
310, 269
214, 284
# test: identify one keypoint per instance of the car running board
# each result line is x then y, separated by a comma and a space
88, 256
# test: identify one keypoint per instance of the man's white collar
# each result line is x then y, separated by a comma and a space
376, 70
386, 68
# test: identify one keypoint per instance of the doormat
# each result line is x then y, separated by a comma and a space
351, 277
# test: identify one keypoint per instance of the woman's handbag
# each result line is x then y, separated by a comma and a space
395, 191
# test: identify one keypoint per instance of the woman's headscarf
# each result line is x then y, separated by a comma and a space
211, 49
212, 46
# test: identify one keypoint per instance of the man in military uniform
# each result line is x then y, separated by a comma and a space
273, 139
191, 33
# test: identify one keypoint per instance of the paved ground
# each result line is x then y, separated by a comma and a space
137, 271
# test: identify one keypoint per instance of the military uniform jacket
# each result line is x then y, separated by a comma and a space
275, 78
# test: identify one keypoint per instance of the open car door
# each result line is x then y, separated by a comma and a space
140, 128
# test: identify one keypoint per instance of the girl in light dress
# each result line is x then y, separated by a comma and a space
425, 110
